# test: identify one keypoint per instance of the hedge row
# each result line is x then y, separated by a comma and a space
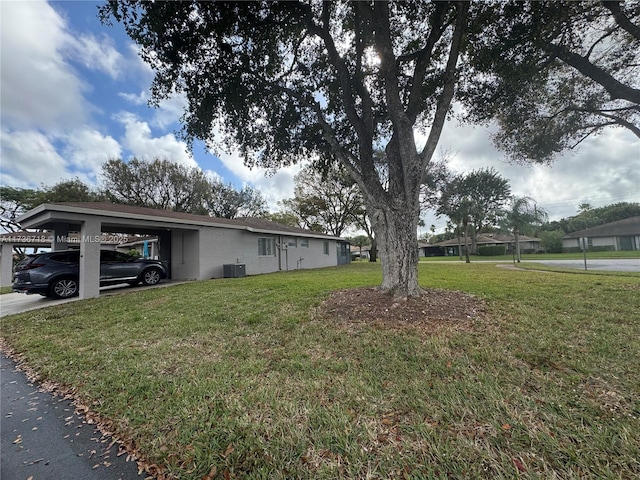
491, 251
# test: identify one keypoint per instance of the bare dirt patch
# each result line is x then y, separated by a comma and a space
434, 310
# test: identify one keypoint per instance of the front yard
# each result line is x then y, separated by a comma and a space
251, 378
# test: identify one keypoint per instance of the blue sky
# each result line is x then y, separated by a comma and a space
74, 93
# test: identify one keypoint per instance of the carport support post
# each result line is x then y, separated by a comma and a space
90, 258
6, 264
60, 240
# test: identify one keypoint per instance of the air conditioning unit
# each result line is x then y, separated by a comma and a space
234, 270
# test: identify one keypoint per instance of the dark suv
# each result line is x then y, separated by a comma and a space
55, 274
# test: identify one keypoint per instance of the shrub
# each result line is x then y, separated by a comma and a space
551, 242
490, 251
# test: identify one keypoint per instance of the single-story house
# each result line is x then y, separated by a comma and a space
622, 235
195, 247
450, 247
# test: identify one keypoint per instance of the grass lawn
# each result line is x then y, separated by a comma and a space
237, 377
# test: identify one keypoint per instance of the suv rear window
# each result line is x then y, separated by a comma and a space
66, 257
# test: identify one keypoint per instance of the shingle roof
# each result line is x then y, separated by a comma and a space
628, 226
248, 223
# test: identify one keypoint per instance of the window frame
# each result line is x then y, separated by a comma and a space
266, 247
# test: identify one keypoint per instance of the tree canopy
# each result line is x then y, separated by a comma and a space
160, 184
555, 73
326, 202
474, 199
16, 201
166, 185
589, 216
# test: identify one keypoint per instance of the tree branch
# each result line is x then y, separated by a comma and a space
423, 58
616, 89
621, 19
445, 98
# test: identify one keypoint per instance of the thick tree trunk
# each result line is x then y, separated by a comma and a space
373, 253
397, 238
517, 239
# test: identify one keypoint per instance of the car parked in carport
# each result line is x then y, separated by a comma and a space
56, 274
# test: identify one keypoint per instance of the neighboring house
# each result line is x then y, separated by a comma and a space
623, 235
356, 252
450, 247
194, 246
144, 246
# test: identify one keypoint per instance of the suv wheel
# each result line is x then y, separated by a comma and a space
64, 288
151, 276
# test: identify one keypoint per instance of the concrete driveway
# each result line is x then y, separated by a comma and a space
12, 303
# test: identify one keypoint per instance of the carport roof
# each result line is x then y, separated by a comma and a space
45, 216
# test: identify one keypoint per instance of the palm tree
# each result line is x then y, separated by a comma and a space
521, 217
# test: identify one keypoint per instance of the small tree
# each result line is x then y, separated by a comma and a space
360, 241
473, 202
521, 217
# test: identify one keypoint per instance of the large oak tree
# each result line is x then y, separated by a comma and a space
322, 80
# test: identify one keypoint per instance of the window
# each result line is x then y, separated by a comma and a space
266, 247
304, 242
292, 242
325, 248
67, 257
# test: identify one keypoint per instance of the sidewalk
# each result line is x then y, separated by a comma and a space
41, 438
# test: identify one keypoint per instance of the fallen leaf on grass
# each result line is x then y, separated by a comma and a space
212, 473
228, 451
519, 465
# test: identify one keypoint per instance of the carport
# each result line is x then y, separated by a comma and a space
195, 247
35, 241
95, 221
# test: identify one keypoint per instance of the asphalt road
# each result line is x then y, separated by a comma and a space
43, 438
612, 265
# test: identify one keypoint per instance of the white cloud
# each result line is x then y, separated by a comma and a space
86, 150
39, 89
274, 186
139, 141
33, 160
602, 170
97, 54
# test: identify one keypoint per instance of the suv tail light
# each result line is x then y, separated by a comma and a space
29, 266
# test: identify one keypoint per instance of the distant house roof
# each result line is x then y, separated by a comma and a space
628, 226
114, 210
489, 239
